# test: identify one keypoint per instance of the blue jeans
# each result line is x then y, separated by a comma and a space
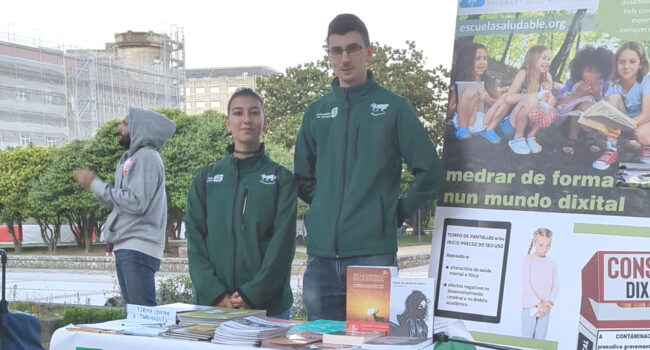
323, 290
135, 273
534, 327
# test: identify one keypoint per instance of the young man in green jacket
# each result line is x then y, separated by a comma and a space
241, 220
347, 165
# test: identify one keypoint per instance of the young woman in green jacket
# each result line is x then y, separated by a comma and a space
241, 220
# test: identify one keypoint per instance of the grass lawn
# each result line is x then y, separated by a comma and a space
412, 239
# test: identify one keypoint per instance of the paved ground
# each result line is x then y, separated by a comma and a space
94, 287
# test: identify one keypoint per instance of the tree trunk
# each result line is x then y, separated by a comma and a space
20, 229
89, 229
563, 54
172, 214
179, 226
56, 236
505, 51
18, 244
46, 233
74, 221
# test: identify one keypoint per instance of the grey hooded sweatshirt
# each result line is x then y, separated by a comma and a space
137, 198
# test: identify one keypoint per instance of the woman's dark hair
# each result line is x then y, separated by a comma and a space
245, 92
600, 59
463, 69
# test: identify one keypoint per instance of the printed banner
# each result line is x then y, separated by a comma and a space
542, 236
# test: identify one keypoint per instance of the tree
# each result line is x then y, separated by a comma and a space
80, 207
563, 53
19, 168
402, 71
290, 93
283, 131
42, 208
198, 141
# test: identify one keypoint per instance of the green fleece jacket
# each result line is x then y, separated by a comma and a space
240, 226
348, 163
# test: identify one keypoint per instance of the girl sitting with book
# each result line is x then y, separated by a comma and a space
629, 93
472, 91
590, 69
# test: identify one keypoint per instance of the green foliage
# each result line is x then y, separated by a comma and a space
177, 289
198, 141
83, 315
64, 194
19, 168
409, 239
298, 309
291, 92
283, 131
103, 151
513, 55
402, 71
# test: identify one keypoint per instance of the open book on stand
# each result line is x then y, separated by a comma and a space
462, 87
602, 114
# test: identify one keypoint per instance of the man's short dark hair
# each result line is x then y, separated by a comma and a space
245, 92
345, 23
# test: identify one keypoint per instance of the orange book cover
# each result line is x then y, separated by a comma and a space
368, 298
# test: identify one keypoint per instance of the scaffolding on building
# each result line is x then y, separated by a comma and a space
87, 87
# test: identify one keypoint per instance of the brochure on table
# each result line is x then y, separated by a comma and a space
493, 201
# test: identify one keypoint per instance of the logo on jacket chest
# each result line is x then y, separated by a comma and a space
268, 179
215, 178
331, 114
377, 109
127, 165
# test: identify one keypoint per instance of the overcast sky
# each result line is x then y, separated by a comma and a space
274, 33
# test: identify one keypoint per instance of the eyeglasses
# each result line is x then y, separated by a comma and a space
351, 49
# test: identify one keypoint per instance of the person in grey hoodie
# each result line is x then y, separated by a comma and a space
138, 203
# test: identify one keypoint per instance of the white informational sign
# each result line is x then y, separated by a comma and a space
470, 281
150, 313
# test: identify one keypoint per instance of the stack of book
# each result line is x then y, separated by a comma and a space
193, 332
293, 341
250, 331
215, 316
351, 337
319, 326
390, 343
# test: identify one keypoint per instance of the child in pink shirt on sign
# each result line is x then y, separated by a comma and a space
539, 285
